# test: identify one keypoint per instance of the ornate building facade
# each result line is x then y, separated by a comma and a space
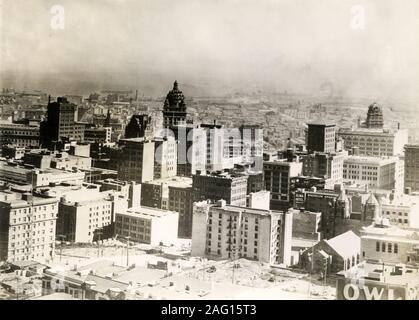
174, 109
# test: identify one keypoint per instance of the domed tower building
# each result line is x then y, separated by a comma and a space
374, 116
174, 109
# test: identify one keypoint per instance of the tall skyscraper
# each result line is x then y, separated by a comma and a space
321, 137
139, 126
165, 157
61, 123
27, 227
372, 139
222, 185
108, 119
174, 109
230, 232
411, 175
215, 146
252, 145
325, 165
277, 176
374, 116
135, 160
191, 148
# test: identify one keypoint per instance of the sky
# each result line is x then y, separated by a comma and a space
296, 45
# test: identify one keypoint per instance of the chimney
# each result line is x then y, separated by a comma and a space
27, 197
221, 203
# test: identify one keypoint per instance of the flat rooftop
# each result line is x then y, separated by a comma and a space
15, 199
221, 175
321, 123
410, 274
16, 168
365, 159
401, 199
238, 209
369, 131
91, 197
147, 212
177, 181
403, 235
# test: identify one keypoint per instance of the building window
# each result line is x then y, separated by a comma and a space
377, 246
396, 248
389, 249
383, 247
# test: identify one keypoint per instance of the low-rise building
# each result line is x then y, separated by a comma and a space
15, 173
388, 244
98, 135
148, 225
65, 161
259, 200
377, 173
373, 280
20, 135
401, 209
85, 218
333, 255
374, 142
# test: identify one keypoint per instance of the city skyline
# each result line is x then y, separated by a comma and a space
351, 49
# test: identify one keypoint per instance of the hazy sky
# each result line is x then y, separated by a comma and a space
295, 45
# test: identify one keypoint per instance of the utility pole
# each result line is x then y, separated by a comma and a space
99, 233
61, 237
128, 237
325, 270
234, 263
311, 270
17, 287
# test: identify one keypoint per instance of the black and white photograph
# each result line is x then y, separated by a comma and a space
192, 151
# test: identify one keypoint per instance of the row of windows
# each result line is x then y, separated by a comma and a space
391, 248
27, 234
28, 210
21, 243
32, 225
